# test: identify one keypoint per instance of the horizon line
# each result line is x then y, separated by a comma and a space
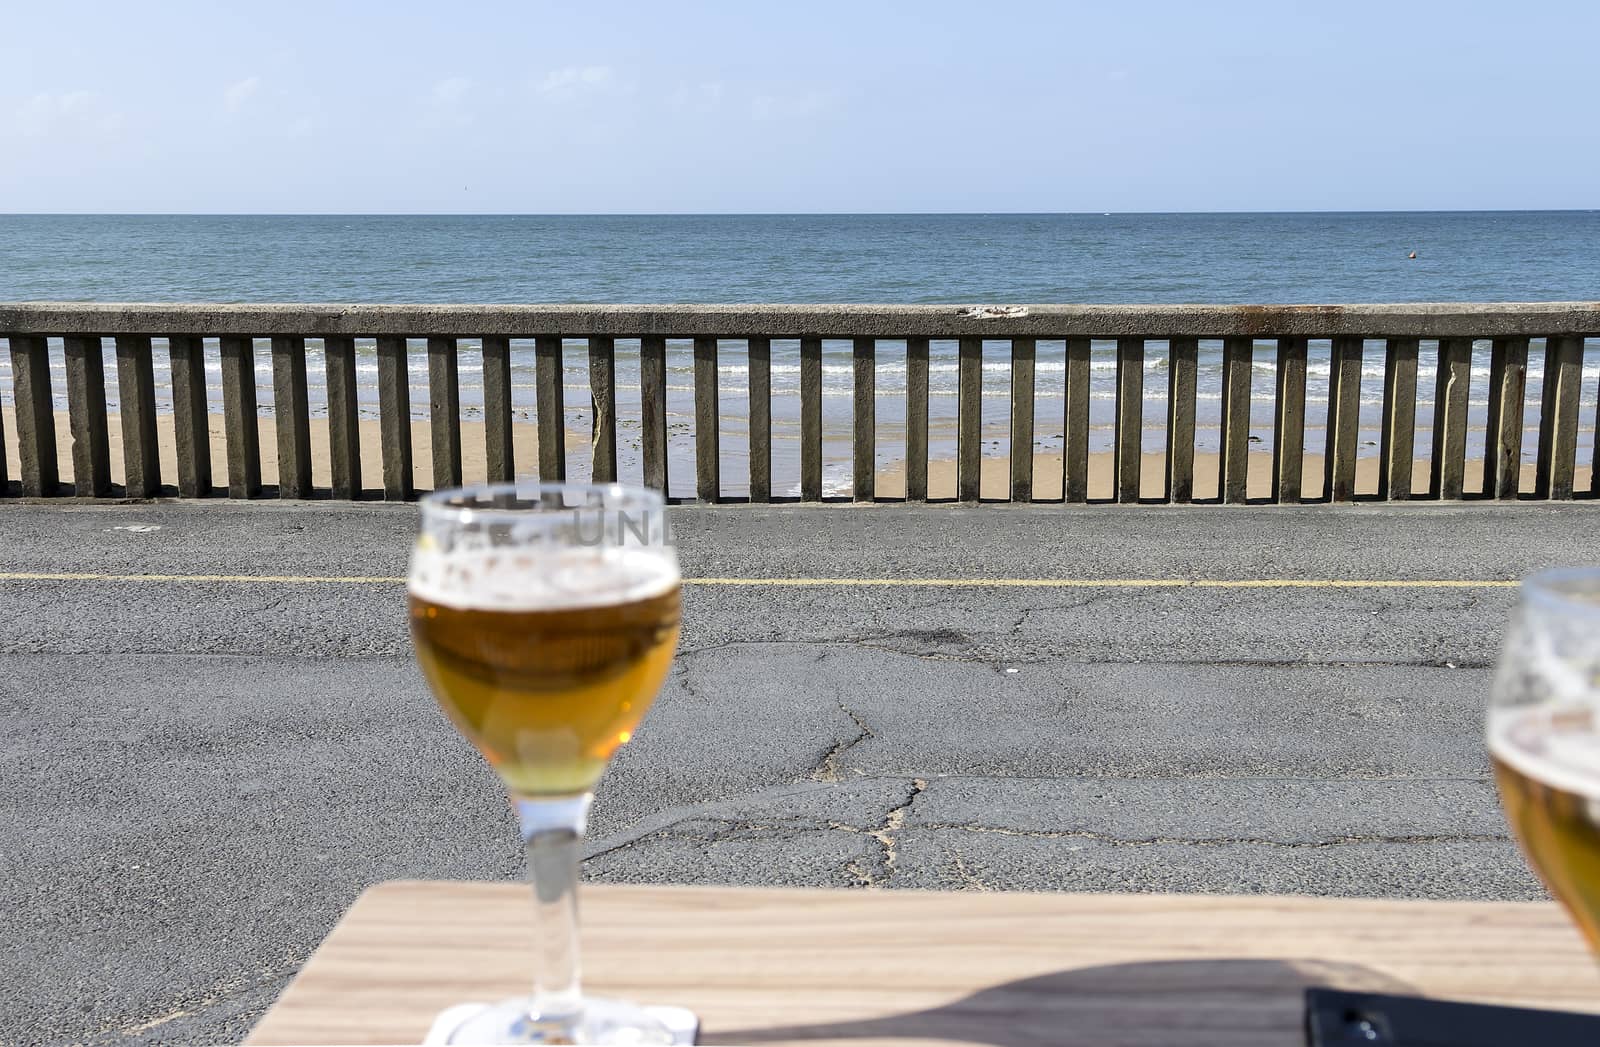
777, 214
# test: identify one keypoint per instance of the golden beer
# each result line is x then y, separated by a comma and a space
547, 683
1548, 769
545, 618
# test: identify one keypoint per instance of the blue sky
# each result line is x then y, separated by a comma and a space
807, 106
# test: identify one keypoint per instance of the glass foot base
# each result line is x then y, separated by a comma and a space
602, 1021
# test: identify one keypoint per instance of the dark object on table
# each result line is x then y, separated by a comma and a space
1347, 1019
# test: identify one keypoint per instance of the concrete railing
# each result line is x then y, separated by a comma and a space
1209, 355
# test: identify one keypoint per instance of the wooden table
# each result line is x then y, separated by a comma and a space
779, 966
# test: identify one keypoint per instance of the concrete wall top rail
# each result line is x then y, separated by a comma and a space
1421, 320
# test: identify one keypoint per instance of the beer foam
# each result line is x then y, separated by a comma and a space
499, 579
1557, 743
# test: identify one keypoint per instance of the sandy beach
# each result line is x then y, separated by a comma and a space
525, 450
1047, 471
890, 478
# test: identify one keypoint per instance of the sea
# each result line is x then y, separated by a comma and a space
929, 258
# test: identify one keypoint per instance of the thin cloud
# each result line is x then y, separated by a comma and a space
576, 80
449, 103
451, 91
237, 94
697, 98
791, 107
47, 114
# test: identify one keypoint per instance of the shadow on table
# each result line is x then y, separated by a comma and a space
1223, 1001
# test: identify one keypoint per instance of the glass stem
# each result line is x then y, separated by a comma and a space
553, 832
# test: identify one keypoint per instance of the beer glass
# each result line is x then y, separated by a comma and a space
1544, 737
545, 618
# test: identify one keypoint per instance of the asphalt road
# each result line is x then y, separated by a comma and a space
199, 776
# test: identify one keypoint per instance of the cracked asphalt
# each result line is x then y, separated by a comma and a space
199, 777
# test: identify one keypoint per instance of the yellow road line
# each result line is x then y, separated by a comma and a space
921, 583
1124, 583
280, 579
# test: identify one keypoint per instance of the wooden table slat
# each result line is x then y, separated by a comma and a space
780, 966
